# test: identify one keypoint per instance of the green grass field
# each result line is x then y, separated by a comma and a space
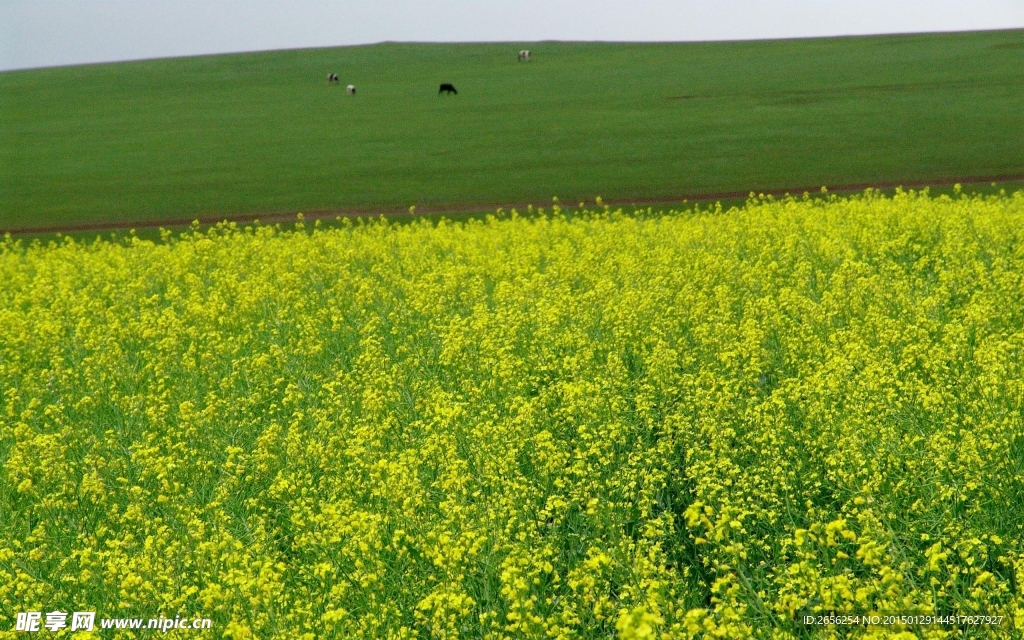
263, 133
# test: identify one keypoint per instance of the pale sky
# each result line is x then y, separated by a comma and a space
38, 33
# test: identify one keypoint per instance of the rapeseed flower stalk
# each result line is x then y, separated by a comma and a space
701, 424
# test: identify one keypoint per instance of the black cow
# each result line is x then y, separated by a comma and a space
447, 88
332, 78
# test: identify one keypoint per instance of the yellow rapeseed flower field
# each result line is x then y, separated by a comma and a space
586, 424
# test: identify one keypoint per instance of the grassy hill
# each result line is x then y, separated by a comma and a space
261, 133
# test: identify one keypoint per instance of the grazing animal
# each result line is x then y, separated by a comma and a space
524, 55
332, 78
447, 88
351, 89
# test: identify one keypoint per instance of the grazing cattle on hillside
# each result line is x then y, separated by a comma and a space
351, 89
524, 55
447, 88
332, 78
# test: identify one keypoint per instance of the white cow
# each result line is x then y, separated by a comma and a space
524, 55
351, 89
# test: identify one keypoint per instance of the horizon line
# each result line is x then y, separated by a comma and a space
515, 42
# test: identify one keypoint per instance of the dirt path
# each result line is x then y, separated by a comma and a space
271, 218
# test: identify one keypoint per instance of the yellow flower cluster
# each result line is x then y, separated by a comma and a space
578, 424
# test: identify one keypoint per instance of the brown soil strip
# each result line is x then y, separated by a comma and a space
357, 212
